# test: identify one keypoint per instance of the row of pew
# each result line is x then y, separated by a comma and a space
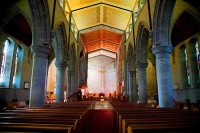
141, 118
69, 117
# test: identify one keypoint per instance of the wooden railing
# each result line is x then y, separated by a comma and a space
72, 97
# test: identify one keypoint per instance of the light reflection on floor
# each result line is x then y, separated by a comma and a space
101, 105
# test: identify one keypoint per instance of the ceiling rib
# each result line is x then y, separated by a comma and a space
102, 28
93, 15
99, 4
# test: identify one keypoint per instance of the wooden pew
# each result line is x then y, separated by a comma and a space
164, 128
13, 105
35, 127
126, 123
69, 114
146, 114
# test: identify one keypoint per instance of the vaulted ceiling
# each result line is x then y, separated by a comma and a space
101, 39
88, 13
91, 13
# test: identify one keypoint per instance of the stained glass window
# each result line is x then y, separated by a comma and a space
187, 67
3, 64
198, 55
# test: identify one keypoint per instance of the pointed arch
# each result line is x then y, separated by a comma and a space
41, 18
60, 43
161, 22
186, 21
21, 30
72, 57
130, 57
142, 43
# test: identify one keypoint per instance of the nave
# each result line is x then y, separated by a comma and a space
99, 117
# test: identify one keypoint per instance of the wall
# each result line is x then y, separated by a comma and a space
180, 95
9, 94
109, 78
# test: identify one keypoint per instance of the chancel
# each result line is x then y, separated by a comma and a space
86, 66
102, 72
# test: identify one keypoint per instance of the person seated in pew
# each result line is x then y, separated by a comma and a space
193, 108
185, 106
157, 106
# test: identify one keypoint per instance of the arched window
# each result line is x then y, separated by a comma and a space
3, 64
198, 57
193, 53
185, 73
6, 64
16, 60
187, 67
19, 54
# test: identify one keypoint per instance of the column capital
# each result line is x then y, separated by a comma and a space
41, 50
162, 49
61, 65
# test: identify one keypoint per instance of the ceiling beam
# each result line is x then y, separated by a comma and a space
103, 4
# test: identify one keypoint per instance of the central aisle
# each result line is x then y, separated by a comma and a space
100, 120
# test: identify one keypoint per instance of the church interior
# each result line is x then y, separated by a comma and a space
124, 62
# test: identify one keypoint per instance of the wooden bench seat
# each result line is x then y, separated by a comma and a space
35, 127
127, 122
20, 104
164, 128
127, 116
74, 116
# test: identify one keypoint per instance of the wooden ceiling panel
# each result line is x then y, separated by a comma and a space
91, 36
101, 45
76, 4
109, 46
112, 13
127, 4
115, 17
101, 39
108, 12
87, 17
93, 46
101, 34
19, 28
111, 36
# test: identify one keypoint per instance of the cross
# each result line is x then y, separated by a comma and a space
101, 71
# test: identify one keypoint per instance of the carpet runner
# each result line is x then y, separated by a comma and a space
100, 122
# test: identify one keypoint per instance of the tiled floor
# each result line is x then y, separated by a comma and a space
104, 105
101, 105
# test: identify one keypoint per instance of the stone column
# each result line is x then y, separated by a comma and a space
73, 84
142, 82
164, 78
132, 86
69, 83
39, 75
60, 80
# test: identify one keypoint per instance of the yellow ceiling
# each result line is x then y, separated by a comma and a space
89, 13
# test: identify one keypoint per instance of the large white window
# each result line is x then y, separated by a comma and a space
19, 55
3, 64
198, 57
187, 67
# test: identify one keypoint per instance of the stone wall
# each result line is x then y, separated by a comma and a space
180, 95
10, 94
